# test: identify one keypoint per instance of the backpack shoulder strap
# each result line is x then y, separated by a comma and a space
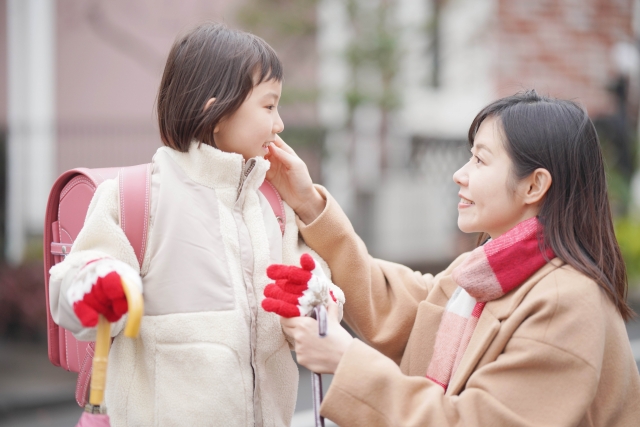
273, 197
134, 186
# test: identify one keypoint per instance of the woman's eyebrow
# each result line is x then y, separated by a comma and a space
481, 146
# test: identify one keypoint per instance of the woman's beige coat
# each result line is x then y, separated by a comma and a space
553, 352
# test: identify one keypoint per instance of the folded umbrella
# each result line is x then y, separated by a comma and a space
94, 414
320, 314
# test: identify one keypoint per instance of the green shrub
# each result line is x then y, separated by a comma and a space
628, 235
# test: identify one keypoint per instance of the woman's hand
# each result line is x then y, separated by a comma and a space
318, 354
290, 176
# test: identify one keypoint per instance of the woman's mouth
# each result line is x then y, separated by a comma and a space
465, 202
266, 144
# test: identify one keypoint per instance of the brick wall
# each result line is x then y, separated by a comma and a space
561, 48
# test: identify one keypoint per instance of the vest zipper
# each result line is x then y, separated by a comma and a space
249, 167
253, 315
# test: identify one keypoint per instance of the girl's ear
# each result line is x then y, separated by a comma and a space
538, 184
209, 103
206, 107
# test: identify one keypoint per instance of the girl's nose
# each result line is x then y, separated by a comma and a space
278, 124
460, 177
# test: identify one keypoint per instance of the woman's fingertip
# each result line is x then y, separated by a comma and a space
272, 150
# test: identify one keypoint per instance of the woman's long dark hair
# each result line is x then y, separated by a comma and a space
557, 135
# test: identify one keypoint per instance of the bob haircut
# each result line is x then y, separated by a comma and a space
210, 61
557, 135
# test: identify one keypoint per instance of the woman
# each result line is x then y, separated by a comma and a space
526, 330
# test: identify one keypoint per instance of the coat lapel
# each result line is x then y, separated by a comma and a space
489, 325
484, 333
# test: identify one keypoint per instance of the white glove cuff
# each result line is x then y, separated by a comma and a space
317, 291
88, 275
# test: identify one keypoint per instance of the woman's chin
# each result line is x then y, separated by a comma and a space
465, 227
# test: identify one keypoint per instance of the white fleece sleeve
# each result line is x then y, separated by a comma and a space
100, 237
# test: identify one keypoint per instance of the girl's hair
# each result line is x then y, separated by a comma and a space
557, 135
210, 61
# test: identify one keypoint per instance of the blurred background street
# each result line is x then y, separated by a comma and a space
377, 99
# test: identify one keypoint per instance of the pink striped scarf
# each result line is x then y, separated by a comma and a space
489, 272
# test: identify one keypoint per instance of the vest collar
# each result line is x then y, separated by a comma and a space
214, 168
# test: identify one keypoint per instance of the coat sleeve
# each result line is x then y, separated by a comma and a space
381, 297
100, 237
293, 244
547, 373
515, 390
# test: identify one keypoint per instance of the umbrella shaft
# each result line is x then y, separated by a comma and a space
100, 358
316, 386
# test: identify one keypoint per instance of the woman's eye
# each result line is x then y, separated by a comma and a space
271, 107
478, 161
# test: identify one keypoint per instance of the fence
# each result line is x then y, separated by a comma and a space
416, 208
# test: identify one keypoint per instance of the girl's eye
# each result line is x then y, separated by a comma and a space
271, 107
478, 161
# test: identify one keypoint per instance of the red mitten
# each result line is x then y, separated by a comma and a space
97, 289
298, 290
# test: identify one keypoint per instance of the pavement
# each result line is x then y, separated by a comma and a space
35, 393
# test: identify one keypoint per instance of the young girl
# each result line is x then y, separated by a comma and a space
525, 330
206, 354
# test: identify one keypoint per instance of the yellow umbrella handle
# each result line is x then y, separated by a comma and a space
136, 308
103, 341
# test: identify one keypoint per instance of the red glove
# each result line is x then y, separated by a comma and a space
298, 290
97, 289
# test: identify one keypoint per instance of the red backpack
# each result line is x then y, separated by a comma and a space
66, 211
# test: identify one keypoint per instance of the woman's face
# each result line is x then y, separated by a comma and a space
490, 199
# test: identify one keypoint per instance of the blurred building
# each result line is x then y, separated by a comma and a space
81, 79
453, 57
382, 92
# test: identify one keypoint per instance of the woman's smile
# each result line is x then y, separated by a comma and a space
464, 203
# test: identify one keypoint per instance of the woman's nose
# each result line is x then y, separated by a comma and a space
460, 177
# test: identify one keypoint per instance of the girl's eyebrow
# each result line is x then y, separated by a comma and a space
273, 95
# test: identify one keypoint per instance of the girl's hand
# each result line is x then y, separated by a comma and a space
97, 289
290, 176
320, 355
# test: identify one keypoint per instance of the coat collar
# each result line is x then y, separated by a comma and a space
489, 324
211, 167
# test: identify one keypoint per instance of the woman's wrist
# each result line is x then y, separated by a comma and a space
312, 207
340, 350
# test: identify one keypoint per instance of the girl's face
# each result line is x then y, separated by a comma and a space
490, 199
251, 128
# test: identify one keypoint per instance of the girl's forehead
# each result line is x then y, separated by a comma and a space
268, 88
260, 75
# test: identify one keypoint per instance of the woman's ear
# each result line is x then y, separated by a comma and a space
538, 184
206, 107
